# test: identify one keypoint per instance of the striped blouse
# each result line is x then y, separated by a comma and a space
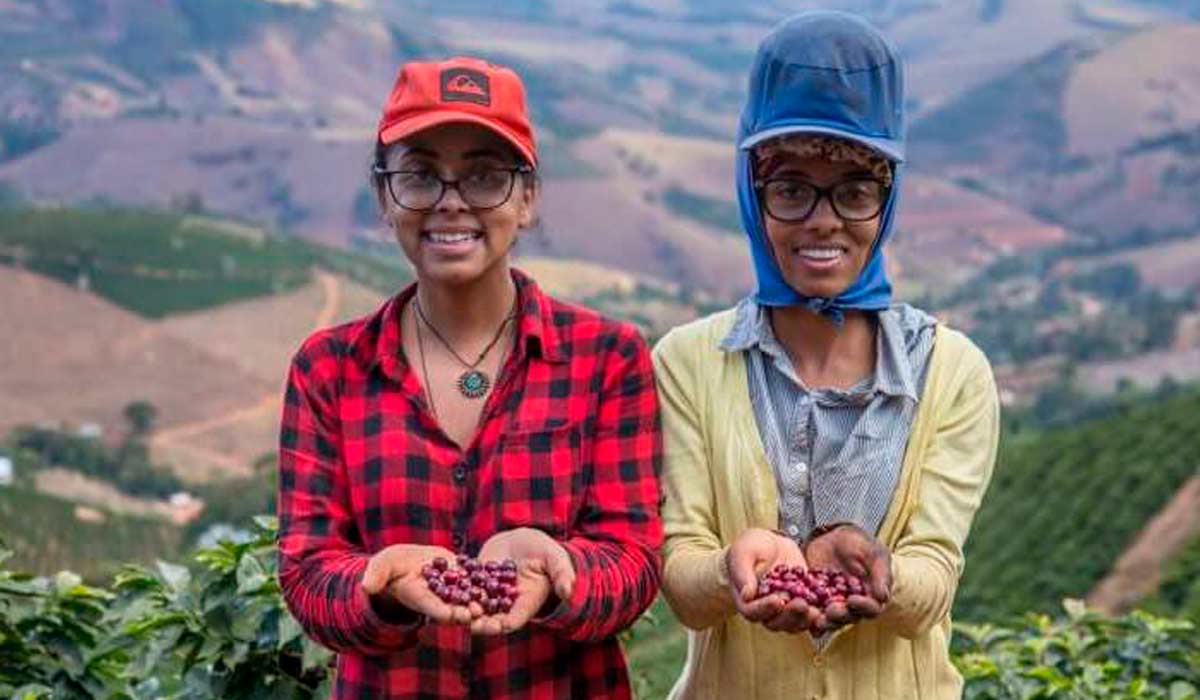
836, 453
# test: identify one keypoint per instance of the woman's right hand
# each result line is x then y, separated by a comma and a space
394, 574
755, 552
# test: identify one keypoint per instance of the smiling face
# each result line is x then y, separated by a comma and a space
454, 243
822, 255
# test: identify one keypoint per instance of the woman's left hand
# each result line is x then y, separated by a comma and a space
851, 549
542, 565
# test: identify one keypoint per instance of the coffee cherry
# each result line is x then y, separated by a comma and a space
491, 584
819, 588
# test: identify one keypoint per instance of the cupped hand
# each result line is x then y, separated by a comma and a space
851, 549
543, 567
393, 574
755, 552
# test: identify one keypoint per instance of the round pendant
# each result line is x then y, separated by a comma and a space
473, 384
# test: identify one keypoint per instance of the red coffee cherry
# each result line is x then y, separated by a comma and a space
491, 584
819, 588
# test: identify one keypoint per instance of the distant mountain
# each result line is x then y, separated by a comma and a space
1099, 136
264, 110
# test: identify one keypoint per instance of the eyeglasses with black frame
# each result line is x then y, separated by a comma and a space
420, 190
791, 200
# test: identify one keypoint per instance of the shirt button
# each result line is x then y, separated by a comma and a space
460, 474
793, 530
459, 540
801, 467
818, 661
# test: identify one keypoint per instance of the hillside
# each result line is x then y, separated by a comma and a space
1065, 503
948, 232
1048, 136
286, 94
260, 335
1172, 267
1157, 80
49, 534
236, 303
1150, 561
81, 359
1179, 588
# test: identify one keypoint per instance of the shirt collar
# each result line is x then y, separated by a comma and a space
538, 328
750, 327
894, 373
379, 343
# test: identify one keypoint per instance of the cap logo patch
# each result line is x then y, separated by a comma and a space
466, 85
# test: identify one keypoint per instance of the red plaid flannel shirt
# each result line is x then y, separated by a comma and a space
569, 443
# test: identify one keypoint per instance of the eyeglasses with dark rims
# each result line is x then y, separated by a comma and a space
791, 200
420, 189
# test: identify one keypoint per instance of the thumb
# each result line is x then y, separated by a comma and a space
561, 573
377, 574
881, 577
742, 576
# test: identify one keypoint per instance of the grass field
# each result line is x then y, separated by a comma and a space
156, 264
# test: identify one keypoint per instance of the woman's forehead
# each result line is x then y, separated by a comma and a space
453, 143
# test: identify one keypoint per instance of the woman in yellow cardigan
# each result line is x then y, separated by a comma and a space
818, 423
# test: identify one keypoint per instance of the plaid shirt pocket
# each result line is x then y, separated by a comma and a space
540, 477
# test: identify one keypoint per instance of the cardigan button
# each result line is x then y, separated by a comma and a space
818, 661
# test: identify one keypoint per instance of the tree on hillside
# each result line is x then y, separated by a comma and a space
140, 415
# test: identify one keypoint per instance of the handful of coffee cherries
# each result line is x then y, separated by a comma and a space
819, 588
492, 584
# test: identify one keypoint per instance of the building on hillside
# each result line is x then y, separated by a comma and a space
6, 472
183, 508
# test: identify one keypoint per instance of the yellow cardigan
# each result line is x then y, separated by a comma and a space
717, 482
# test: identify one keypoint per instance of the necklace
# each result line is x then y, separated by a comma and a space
424, 369
425, 373
472, 383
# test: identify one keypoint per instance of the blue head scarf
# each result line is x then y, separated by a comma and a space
825, 73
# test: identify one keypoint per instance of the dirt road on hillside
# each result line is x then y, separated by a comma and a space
174, 438
1139, 569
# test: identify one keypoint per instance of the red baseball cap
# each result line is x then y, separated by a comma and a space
460, 89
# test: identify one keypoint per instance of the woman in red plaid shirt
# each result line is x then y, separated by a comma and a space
471, 414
